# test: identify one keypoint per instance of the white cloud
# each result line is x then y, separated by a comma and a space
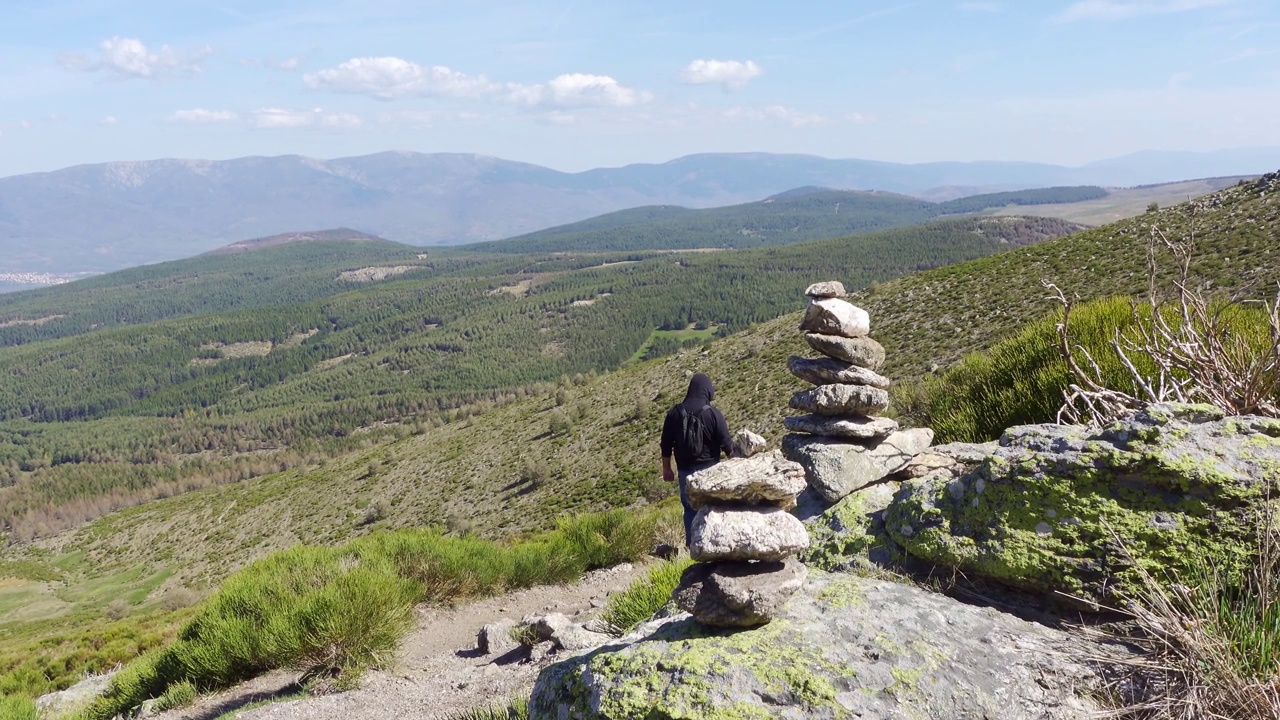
130, 58
578, 90
732, 74
791, 116
109, 120
200, 116
1107, 10
386, 78
277, 118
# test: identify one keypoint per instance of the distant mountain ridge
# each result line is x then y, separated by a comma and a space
114, 215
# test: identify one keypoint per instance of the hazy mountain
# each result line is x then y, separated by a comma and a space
113, 215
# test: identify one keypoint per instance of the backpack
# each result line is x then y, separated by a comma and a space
695, 435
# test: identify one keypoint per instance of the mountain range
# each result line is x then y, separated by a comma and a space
114, 215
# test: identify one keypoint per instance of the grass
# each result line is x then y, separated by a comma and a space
645, 596
332, 612
17, 707
516, 709
682, 338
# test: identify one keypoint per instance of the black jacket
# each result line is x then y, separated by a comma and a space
697, 400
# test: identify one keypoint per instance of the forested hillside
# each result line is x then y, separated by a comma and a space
161, 379
795, 216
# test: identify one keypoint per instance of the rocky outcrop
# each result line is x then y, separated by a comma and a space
844, 647
1084, 512
836, 467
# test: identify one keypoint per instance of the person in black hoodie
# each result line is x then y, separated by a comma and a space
695, 433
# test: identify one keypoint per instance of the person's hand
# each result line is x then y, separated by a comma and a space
668, 475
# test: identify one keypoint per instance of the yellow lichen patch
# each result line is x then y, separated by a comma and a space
373, 274
33, 322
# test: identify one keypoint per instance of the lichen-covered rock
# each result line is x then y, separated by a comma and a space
745, 533
844, 647
1072, 510
826, 371
852, 427
833, 316
766, 479
836, 468
828, 289
953, 459
863, 352
747, 443
738, 594
850, 535
841, 400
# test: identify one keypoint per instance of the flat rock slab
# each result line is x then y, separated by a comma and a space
863, 352
835, 468
841, 400
833, 316
828, 289
765, 479
854, 427
747, 533
738, 594
843, 647
827, 371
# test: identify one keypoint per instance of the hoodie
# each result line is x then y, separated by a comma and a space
697, 401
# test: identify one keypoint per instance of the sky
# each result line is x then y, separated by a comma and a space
578, 84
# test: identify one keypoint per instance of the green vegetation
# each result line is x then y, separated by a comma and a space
645, 596
515, 709
17, 707
332, 612
792, 217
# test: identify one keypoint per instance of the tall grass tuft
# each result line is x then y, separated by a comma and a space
17, 707
333, 612
644, 597
516, 709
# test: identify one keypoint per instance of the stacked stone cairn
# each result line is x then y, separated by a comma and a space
842, 443
744, 540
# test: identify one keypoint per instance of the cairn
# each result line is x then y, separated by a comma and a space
842, 443
744, 540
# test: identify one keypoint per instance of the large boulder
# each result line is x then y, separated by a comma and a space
836, 468
852, 427
746, 533
834, 316
1085, 512
841, 400
738, 594
863, 352
825, 371
766, 479
844, 646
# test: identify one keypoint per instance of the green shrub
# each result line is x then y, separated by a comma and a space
609, 538
1021, 379
177, 696
645, 596
17, 707
517, 709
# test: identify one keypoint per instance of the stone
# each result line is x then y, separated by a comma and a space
76, 697
840, 400
495, 638
852, 427
844, 646
833, 316
826, 371
1078, 511
745, 533
747, 443
850, 535
952, 459
828, 289
834, 469
565, 633
766, 479
863, 352
738, 594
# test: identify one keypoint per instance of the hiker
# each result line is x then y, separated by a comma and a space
696, 433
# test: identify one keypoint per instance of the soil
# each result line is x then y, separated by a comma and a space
439, 673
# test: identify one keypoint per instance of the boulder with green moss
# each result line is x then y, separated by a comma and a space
846, 647
1169, 493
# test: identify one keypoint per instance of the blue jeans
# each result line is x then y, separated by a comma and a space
689, 512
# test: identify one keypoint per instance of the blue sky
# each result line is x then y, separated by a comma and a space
580, 84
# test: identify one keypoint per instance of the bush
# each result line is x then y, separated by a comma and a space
645, 596
177, 696
118, 609
516, 709
17, 707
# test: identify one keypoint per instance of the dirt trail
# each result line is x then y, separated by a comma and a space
439, 672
